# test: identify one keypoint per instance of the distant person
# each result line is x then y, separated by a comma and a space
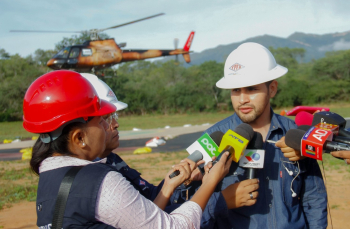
63, 107
290, 194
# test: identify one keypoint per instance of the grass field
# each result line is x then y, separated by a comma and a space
12, 130
18, 183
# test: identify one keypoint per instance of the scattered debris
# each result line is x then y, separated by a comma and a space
6, 141
187, 125
135, 129
155, 142
167, 127
143, 150
26, 153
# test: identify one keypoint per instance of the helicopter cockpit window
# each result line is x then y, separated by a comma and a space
87, 52
74, 53
63, 53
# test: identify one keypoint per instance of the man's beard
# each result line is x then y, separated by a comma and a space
253, 115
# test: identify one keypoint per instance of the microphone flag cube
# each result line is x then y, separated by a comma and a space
206, 146
313, 141
252, 158
235, 140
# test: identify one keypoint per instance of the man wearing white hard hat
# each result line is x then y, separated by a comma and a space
291, 194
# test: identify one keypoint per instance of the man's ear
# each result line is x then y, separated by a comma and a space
273, 88
77, 137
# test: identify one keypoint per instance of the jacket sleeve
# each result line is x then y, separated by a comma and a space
314, 196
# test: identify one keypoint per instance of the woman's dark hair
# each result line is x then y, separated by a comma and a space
42, 150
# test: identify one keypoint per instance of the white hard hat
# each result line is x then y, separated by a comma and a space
104, 91
250, 64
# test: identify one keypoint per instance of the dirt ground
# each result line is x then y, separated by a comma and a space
22, 215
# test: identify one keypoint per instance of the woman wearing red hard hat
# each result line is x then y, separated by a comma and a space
63, 107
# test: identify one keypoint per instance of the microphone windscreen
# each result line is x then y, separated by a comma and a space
256, 142
195, 156
330, 118
245, 131
217, 137
304, 127
303, 118
293, 138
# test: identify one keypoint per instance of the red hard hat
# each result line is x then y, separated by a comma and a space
58, 97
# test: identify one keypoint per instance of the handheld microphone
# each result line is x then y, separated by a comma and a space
331, 118
254, 156
313, 143
207, 145
198, 152
303, 118
236, 141
341, 139
195, 156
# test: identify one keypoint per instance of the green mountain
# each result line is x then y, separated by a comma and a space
315, 45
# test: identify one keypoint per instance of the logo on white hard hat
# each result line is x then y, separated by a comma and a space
110, 94
236, 67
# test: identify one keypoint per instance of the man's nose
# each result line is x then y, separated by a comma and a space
244, 98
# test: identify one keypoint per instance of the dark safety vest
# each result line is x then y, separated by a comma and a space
81, 203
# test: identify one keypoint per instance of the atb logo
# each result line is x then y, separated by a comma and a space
208, 145
252, 156
234, 137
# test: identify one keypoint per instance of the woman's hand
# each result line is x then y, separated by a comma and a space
185, 167
218, 171
240, 194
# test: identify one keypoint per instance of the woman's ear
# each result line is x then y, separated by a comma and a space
77, 138
273, 88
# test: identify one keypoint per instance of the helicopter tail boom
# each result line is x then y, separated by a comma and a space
189, 42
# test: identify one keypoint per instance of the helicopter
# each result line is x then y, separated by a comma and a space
97, 54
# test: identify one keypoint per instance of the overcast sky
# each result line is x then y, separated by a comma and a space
214, 21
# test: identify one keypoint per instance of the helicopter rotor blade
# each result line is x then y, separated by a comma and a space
44, 31
131, 22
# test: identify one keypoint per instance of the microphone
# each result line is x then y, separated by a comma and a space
313, 143
207, 145
254, 156
331, 118
195, 156
303, 118
235, 142
341, 139
202, 148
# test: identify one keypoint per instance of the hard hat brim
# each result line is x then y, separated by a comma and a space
106, 108
244, 81
120, 105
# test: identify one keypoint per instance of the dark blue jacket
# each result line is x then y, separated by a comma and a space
81, 203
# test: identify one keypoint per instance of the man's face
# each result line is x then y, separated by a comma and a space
250, 103
112, 135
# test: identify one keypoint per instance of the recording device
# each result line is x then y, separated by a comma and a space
254, 155
314, 142
341, 139
331, 118
195, 156
303, 118
202, 147
236, 141
207, 145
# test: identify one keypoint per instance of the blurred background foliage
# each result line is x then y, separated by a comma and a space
170, 87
